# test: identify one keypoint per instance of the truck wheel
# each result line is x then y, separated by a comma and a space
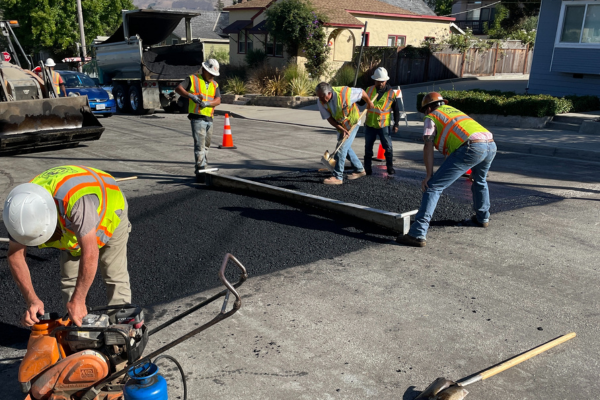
121, 98
136, 101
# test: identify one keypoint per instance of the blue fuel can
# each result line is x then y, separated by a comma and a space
145, 383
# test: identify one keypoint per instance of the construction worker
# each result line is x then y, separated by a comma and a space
204, 95
378, 119
337, 106
466, 145
57, 80
81, 211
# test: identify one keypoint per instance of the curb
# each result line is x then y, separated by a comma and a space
399, 223
440, 82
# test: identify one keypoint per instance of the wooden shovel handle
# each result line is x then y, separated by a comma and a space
343, 140
526, 356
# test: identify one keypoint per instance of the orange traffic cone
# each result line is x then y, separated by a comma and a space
227, 137
380, 154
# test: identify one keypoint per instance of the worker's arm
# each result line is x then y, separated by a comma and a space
184, 93
428, 160
367, 100
338, 126
63, 89
20, 272
396, 111
88, 265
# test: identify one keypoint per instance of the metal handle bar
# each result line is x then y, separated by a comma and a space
95, 390
96, 329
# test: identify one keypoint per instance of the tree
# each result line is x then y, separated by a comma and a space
443, 7
220, 5
502, 28
299, 27
53, 25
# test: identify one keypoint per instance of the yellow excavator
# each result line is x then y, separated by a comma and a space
31, 114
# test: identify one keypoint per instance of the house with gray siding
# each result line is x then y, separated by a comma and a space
566, 56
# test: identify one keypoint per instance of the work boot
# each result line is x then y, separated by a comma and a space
408, 240
390, 170
367, 165
479, 224
368, 171
357, 175
333, 181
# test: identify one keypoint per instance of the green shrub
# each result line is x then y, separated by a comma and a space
221, 55
228, 71
235, 85
504, 103
302, 86
584, 103
292, 71
344, 76
276, 86
261, 76
255, 57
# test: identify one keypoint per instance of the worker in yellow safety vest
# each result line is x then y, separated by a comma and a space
204, 95
379, 119
466, 145
57, 80
337, 106
82, 212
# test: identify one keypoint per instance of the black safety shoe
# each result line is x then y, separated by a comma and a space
479, 224
369, 171
408, 240
391, 170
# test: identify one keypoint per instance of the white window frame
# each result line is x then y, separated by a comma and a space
561, 20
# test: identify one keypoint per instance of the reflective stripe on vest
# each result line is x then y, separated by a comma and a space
380, 116
67, 185
453, 128
198, 87
56, 82
345, 115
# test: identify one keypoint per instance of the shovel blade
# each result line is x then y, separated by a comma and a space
436, 387
452, 393
327, 163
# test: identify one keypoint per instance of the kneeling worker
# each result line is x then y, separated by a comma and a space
378, 119
337, 106
81, 211
466, 145
204, 95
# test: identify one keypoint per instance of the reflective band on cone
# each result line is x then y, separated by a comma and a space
380, 154
227, 137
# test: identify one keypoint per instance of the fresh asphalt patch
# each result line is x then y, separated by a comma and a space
177, 243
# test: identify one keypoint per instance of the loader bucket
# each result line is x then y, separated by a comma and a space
30, 124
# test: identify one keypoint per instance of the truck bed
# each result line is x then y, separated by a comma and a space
175, 62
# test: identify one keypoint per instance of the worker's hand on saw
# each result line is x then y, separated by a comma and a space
77, 310
195, 99
36, 307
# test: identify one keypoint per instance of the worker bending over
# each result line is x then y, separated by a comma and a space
57, 80
81, 211
337, 106
466, 145
204, 95
378, 119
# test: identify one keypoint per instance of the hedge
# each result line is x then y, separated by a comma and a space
509, 103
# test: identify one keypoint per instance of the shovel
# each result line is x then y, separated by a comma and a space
328, 160
445, 389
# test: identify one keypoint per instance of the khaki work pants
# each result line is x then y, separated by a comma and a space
112, 264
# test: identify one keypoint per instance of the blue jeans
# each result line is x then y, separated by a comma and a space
475, 156
202, 134
371, 135
346, 152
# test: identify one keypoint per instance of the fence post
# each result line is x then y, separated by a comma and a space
462, 68
496, 59
526, 59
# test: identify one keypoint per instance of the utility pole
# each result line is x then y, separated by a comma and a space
81, 34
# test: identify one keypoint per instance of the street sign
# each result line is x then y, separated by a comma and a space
6, 56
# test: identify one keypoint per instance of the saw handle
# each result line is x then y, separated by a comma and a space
518, 359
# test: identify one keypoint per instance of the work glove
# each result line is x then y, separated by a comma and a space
195, 99
203, 104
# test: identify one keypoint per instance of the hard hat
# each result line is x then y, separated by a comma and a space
432, 97
212, 66
380, 75
50, 63
30, 214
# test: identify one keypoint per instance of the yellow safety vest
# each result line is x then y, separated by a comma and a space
198, 87
69, 183
56, 82
345, 113
380, 116
453, 128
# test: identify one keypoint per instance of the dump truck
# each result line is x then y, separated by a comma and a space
31, 115
143, 72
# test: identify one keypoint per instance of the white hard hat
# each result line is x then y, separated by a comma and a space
50, 63
212, 66
380, 75
30, 214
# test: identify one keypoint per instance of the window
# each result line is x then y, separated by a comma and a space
249, 43
365, 37
579, 25
273, 47
430, 39
396, 41
242, 42
473, 15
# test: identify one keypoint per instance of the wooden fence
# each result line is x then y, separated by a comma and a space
406, 66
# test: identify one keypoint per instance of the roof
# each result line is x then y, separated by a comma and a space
415, 6
249, 4
237, 26
208, 25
